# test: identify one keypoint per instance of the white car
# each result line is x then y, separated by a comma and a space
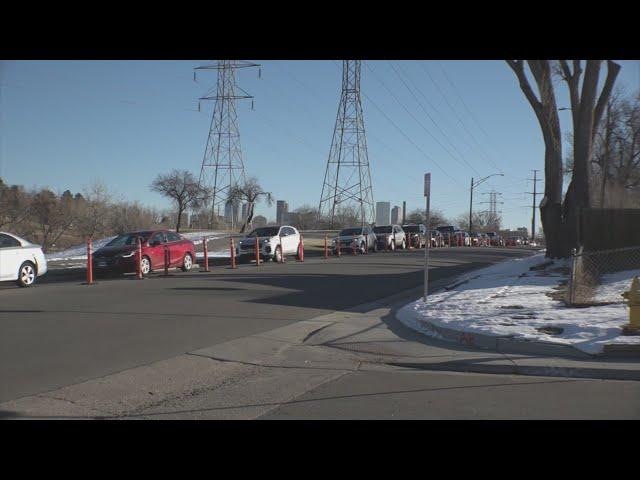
20, 260
275, 242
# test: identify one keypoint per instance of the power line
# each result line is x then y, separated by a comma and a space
460, 121
412, 115
431, 118
473, 117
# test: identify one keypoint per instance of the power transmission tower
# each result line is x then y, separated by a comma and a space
347, 180
222, 164
533, 205
493, 206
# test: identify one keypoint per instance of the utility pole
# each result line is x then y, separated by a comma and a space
533, 205
222, 165
347, 180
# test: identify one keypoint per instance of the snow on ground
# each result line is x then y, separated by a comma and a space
79, 252
509, 300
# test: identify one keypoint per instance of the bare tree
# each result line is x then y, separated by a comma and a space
251, 192
52, 217
560, 218
93, 211
182, 188
419, 216
15, 206
306, 217
482, 221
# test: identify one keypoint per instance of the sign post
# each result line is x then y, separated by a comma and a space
427, 194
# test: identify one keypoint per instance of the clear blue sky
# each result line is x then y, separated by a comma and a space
64, 124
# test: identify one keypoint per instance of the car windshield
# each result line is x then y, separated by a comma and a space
351, 231
411, 228
264, 232
128, 239
382, 229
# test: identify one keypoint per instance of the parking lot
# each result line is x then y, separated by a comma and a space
62, 332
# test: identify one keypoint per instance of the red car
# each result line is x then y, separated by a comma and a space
119, 255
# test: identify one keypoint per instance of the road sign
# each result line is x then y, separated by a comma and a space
427, 184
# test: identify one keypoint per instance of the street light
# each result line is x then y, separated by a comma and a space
473, 185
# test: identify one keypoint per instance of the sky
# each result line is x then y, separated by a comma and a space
67, 124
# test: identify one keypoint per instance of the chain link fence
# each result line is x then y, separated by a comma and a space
588, 268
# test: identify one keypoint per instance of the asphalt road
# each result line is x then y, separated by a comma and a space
62, 332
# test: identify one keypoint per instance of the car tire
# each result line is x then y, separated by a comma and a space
363, 248
145, 266
26, 275
187, 262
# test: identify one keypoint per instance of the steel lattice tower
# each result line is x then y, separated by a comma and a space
222, 164
347, 180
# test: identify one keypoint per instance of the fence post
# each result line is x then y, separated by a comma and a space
89, 262
326, 252
572, 277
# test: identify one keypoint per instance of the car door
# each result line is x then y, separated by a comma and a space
10, 257
155, 250
290, 241
176, 248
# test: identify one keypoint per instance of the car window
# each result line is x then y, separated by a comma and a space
7, 242
173, 237
158, 237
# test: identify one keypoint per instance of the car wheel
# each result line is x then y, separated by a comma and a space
145, 266
26, 274
363, 248
187, 263
278, 255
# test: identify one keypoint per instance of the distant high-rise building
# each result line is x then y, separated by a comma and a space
231, 213
282, 208
395, 215
382, 213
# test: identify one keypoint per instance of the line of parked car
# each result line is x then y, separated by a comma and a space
23, 262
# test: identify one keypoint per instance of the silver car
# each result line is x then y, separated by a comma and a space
390, 237
362, 237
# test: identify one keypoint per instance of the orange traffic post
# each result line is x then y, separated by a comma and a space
89, 263
338, 247
139, 259
326, 249
394, 240
353, 245
206, 255
257, 251
281, 250
166, 260
233, 254
301, 249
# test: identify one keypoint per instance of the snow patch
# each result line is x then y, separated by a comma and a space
510, 300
